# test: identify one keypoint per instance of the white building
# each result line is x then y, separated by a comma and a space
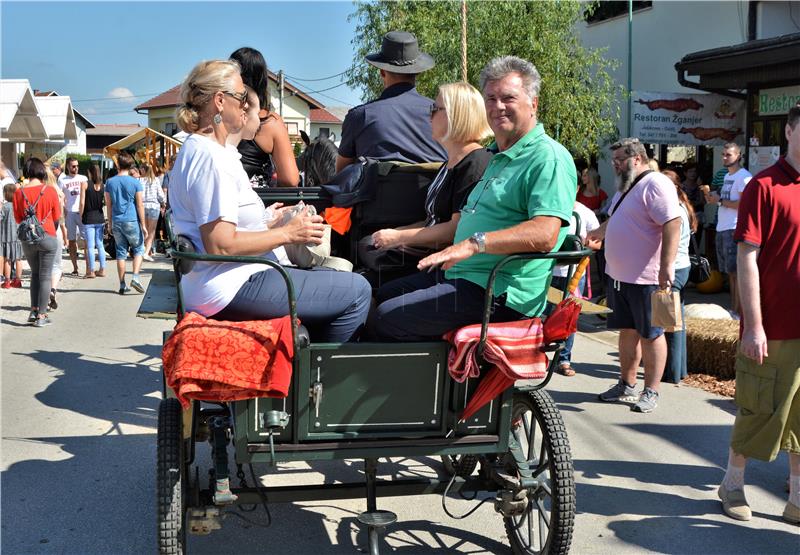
45, 126
664, 32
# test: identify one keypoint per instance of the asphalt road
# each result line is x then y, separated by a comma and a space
79, 406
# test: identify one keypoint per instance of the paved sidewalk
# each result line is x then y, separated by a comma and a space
79, 402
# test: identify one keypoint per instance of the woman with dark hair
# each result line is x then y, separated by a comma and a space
35, 193
93, 218
676, 369
270, 151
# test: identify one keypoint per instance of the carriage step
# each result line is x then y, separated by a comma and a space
377, 518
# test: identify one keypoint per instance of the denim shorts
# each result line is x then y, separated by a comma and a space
726, 252
74, 225
631, 305
151, 213
128, 235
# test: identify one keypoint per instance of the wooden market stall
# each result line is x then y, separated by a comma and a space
146, 145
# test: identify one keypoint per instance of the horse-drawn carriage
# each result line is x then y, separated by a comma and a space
366, 401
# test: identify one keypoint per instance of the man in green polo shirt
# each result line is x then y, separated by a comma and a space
523, 203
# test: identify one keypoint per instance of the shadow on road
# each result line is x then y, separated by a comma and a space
698, 535
77, 377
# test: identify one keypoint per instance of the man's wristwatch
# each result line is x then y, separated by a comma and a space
479, 238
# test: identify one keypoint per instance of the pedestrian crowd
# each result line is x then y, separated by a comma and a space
71, 209
519, 193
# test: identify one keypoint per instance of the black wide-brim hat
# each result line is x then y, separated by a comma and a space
400, 54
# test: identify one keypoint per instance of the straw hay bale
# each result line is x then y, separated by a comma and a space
711, 346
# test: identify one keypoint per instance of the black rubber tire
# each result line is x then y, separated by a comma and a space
171, 479
463, 465
558, 470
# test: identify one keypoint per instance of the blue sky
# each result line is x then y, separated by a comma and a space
100, 50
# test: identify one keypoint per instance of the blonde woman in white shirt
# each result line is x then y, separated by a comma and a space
214, 206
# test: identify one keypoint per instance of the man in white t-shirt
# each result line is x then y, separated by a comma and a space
728, 200
70, 184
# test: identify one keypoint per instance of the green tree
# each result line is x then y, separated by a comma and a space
578, 99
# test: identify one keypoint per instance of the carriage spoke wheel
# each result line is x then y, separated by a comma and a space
171, 480
539, 450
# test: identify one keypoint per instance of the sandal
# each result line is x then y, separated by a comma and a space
566, 370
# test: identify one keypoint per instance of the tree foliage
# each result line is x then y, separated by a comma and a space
578, 98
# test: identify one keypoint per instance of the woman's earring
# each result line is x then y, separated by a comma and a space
218, 118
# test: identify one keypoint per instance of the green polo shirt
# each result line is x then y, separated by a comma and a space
535, 177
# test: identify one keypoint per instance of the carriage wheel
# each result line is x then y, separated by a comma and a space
171, 479
539, 450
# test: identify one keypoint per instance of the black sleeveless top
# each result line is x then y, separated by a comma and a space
93, 206
255, 160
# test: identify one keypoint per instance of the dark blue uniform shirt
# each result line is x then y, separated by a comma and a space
396, 126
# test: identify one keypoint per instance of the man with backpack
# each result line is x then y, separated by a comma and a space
125, 212
37, 209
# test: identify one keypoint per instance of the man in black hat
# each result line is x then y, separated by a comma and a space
397, 125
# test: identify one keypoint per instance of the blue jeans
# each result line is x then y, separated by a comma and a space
332, 305
424, 306
676, 368
94, 236
128, 235
565, 356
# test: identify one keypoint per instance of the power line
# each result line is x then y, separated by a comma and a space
320, 79
321, 93
114, 98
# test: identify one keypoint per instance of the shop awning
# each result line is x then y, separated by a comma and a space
729, 70
19, 114
58, 117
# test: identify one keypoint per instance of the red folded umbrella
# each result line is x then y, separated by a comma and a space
562, 322
493, 384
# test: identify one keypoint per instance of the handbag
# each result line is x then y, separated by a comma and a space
700, 268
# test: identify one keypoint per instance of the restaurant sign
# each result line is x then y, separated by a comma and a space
686, 119
777, 102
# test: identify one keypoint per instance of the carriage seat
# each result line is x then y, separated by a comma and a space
183, 266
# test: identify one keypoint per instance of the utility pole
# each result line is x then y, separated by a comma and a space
464, 40
280, 93
630, 64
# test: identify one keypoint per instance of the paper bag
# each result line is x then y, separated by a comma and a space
665, 308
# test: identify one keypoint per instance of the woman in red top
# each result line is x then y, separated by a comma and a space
40, 255
589, 192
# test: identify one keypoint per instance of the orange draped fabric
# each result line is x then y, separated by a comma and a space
338, 218
212, 360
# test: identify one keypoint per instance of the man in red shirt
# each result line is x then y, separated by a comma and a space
768, 363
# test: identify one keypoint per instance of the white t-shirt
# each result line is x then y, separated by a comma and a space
71, 187
588, 223
732, 189
208, 183
682, 256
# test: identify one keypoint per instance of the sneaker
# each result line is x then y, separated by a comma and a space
124, 289
33, 316
16, 282
6, 285
148, 258
136, 285
53, 302
791, 513
620, 392
734, 504
648, 401
42, 322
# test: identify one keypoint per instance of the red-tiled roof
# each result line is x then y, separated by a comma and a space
113, 129
165, 99
321, 115
171, 97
